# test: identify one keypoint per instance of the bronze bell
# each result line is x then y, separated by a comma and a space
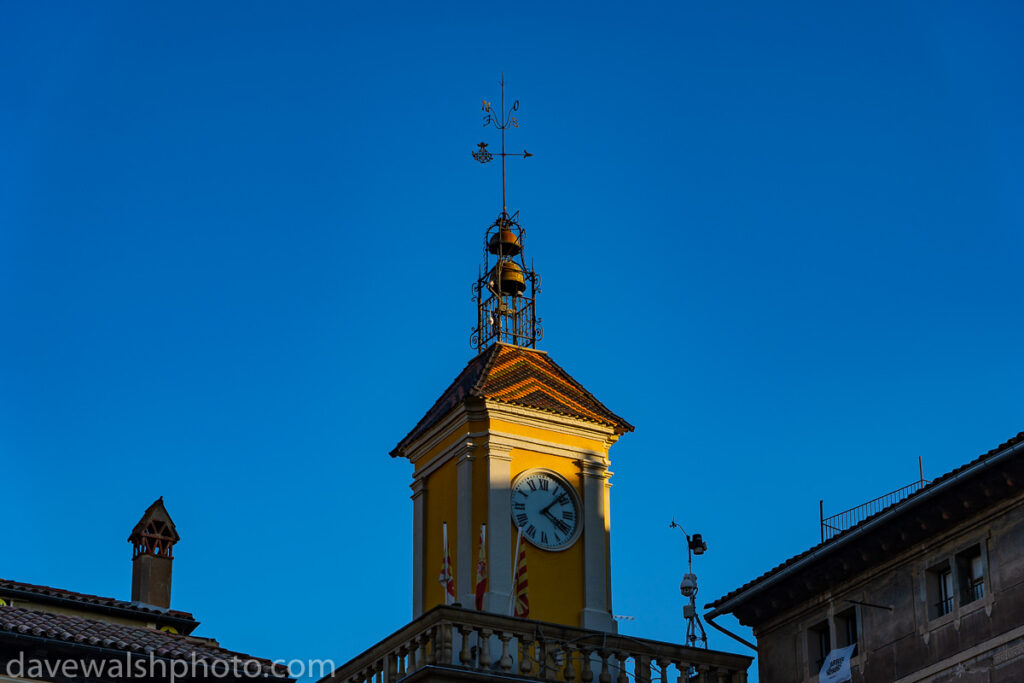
504, 243
512, 281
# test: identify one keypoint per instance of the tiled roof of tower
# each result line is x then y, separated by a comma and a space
134, 639
519, 376
48, 594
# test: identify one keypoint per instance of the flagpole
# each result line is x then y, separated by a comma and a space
482, 570
515, 570
446, 564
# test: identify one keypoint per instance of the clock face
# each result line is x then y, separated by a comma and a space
546, 509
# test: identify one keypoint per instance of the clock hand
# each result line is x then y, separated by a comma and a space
554, 500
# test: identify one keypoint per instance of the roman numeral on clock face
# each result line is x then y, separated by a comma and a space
547, 509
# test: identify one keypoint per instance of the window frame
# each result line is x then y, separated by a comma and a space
825, 630
967, 593
966, 561
819, 644
847, 628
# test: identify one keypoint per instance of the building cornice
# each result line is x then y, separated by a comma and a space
463, 415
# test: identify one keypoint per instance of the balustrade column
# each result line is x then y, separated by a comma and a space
642, 668
525, 654
663, 665
506, 657
605, 676
623, 677
586, 668
431, 654
464, 655
484, 647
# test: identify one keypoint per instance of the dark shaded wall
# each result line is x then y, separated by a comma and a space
978, 641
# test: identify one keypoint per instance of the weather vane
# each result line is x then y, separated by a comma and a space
507, 286
502, 119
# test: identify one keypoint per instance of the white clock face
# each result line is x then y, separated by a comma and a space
545, 508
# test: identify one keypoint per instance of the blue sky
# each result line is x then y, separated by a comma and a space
237, 243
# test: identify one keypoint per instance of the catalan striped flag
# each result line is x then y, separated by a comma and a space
481, 568
520, 584
446, 579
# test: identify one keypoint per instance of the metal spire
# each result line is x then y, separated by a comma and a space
506, 289
502, 120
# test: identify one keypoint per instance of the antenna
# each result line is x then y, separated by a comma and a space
695, 545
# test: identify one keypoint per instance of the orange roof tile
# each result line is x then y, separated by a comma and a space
518, 376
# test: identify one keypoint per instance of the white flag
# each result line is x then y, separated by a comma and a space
836, 668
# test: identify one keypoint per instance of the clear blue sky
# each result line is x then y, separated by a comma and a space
237, 242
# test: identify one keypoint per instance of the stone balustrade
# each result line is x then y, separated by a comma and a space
450, 642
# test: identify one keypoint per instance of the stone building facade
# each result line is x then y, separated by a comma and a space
930, 588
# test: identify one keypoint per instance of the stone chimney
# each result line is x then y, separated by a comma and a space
152, 540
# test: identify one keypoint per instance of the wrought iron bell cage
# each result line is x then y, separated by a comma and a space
506, 289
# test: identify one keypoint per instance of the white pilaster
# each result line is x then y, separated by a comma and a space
596, 612
419, 504
464, 573
499, 529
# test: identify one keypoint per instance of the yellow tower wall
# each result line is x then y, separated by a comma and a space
556, 578
442, 506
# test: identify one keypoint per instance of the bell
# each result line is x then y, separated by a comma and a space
504, 243
512, 282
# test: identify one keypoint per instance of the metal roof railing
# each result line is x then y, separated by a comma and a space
840, 522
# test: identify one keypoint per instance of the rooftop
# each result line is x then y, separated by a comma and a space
183, 621
822, 552
518, 376
139, 640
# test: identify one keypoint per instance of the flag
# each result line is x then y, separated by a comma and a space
446, 579
520, 584
481, 569
836, 668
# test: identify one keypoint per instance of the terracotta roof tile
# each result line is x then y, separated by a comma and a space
45, 592
518, 376
134, 639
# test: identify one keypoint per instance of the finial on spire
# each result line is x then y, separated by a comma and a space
506, 290
501, 119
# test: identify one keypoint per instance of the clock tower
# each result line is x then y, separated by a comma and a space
515, 447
